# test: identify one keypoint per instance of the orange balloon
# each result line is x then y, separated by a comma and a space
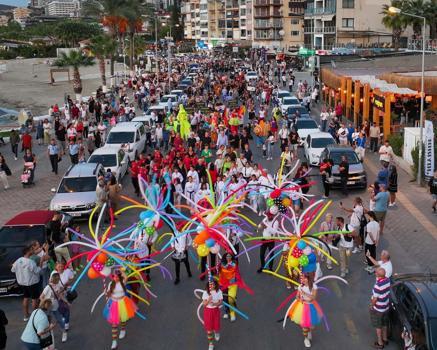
201, 238
93, 274
101, 258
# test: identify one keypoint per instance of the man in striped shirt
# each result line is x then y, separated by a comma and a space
379, 307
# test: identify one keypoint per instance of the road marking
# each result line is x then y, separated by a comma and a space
412, 209
350, 325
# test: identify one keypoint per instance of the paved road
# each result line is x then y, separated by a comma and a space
171, 319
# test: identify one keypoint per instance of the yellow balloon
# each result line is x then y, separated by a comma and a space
202, 250
286, 202
293, 262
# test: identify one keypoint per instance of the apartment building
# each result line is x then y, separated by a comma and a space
320, 24
293, 20
218, 21
63, 8
359, 23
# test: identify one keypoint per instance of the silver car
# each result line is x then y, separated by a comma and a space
76, 194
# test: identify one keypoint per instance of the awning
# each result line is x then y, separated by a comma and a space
383, 85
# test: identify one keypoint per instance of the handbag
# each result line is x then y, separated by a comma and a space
71, 295
7, 170
46, 341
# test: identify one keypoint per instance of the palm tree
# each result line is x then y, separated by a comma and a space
419, 8
109, 13
397, 23
102, 47
133, 12
75, 59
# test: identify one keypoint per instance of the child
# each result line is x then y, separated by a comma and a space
178, 192
212, 298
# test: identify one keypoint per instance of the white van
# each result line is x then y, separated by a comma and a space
131, 136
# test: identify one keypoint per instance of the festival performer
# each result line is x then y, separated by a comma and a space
119, 308
180, 246
190, 190
212, 299
229, 281
305, 311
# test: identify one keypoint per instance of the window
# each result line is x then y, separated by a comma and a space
295, 33
347, 22
348, 4
242, 12
295, 21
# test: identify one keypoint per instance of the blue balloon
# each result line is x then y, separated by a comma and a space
301, 245
312, 259
309, 268
210, 242
144, 215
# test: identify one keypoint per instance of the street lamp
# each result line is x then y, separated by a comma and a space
397, 11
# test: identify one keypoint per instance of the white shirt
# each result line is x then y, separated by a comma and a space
356, 216
387, 266
182, 243
342, 133
343, 243
271, 228
194, 175
66, 276
385, 153
216, 297
372, 229
306, 290
324, 115
49, 293
26, 271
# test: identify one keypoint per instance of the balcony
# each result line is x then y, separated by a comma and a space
318, 30
267, 35
319, 11
267, 3
267, 23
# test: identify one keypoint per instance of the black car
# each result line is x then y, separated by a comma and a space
414, 309
357, 175
16, 234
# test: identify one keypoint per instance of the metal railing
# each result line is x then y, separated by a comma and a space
416, 45
268, 23
267, 2
319, 30
311, 11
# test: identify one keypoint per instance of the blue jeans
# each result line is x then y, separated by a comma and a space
31, 346
62, 318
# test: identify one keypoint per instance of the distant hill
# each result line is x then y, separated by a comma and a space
6, 8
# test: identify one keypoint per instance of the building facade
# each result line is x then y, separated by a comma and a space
20, 14
63, 8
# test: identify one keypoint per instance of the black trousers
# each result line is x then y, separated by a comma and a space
374, 144
177, 263
343, 180
15, 149
262, 254
204, 260
372, 250
326, 185
136, 185
74, 158
54, 163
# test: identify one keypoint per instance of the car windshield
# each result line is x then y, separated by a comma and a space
352, 157
292, 110
20, 235
283, 94
78, 184
306, 124
121, 137
322, 142
253, 74
290, 101
107, 160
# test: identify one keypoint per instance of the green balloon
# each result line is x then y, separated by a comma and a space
303, 260
270, 202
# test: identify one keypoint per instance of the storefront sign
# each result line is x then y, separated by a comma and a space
429, 149
379, 102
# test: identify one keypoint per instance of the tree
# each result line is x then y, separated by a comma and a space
108, 12
71, 32
75, 59
419, 8
396, 22
102, 47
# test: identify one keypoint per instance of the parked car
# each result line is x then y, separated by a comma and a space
414, 309
314, 145
111, 157
288, 101
147, 117
76, 193
251, 76
292, 111
357, 175
283, 93
177, 92
16, 234
305, 127
129, 135
173, 98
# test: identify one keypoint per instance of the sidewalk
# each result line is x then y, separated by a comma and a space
411, 221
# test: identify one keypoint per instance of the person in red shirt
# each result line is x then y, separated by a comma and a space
212, 173
177, 142
75, 112
26, 142
134, 171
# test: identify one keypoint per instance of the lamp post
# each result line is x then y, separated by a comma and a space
397, 11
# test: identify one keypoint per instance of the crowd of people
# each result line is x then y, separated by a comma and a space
216, 143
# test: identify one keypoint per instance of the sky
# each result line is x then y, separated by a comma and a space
14, 2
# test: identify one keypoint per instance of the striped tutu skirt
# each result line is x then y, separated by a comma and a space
306, 315
121, 310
